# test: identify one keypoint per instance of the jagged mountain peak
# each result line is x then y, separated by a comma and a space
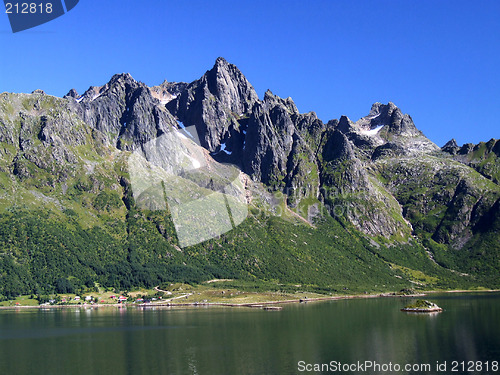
268, 95
387, 114
225, 72
345, 124
215, 103
122, 77
380, 108
271, 100
398, 124
221, 62
72, 94
126, 111
379, 115
228, 84
385, 124
118, 85
451, 143
451, 147
122, 81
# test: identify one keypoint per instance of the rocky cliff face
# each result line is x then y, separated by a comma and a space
269, 139
126, 112
353, 191
386, 131
38, 134
483, 157
215, 104
281, 145
379, 174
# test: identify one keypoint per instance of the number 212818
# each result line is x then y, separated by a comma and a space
28, 8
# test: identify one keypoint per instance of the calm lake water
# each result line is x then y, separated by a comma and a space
249, 341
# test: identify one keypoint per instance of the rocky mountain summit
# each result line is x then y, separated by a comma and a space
379, 176
371, 164
214, 104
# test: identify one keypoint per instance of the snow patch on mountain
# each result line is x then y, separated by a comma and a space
372, 132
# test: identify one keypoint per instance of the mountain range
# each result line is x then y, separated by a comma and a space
359, 206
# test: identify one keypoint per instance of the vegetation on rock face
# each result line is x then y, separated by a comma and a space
341, 207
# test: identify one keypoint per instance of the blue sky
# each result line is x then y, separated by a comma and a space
436, 60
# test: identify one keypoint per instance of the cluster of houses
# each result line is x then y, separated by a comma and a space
92, 300
120, 299
77, 298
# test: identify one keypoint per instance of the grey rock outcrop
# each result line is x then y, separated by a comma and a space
72, 94
125, 111
281, 145
42, 133
451, 147
351, 193
468, 206
214, 104
484, 157
385, 123
388, 150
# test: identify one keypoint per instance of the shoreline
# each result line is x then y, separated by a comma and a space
463, 291
207, 304
248, 305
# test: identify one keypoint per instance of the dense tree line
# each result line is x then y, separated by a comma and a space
43, 254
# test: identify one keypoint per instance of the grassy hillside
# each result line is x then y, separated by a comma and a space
43, 253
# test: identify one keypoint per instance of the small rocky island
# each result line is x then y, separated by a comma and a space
422, 306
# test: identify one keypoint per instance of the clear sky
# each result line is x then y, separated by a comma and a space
437, 60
